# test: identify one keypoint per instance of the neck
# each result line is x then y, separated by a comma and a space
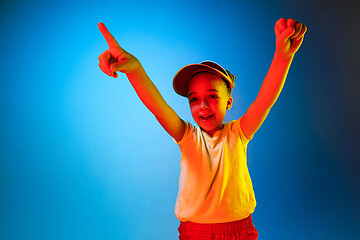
213, 131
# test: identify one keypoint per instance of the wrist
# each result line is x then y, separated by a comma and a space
134, 66
137, 71
283, 56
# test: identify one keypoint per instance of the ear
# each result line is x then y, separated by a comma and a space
229, 103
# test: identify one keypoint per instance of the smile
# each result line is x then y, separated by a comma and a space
207, 117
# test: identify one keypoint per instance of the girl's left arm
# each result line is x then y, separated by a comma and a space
289, 36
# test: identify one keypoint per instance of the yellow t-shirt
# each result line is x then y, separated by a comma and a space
215, 184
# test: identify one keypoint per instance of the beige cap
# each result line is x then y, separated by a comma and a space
182, 77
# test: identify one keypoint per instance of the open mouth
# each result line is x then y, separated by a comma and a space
207, 117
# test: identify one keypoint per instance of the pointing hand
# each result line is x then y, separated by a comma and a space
115, 58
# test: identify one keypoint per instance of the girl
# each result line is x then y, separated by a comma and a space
215, 198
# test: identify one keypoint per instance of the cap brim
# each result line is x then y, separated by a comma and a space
182, 77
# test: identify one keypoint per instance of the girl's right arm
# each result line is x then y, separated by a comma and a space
117, 59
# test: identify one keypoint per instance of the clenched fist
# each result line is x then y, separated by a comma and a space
289, 36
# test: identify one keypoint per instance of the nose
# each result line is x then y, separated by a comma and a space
204, 105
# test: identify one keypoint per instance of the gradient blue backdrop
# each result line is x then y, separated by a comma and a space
82, 158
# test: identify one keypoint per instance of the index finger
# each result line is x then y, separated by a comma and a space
111, 41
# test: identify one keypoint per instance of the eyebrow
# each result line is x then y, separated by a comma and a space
210, 90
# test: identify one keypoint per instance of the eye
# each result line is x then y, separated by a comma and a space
194, 99
213, 96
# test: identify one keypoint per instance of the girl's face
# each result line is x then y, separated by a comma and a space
209, 99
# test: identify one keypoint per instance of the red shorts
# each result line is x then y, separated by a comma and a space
239, 230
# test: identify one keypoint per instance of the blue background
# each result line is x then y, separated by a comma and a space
82, 158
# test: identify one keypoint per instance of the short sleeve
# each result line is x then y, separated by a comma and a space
236, 127
188, 128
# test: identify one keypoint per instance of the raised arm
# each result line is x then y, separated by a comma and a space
289, 36
117, 59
